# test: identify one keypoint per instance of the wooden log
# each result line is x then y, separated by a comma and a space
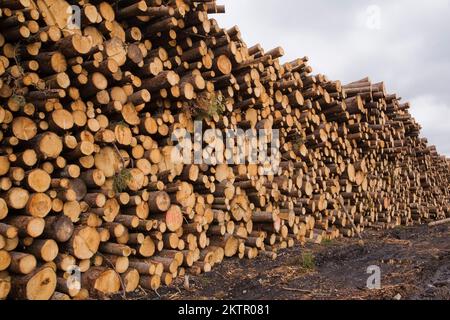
5, 260
5, 285
59, 228
131, 279
38, 285
101, 281
84, 242
438, 223
27, 226
39, 205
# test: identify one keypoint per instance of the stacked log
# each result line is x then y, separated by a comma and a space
88, 183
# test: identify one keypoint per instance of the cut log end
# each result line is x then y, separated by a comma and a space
40, 285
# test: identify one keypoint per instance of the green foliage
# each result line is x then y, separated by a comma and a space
20, 100
121, 180
327, 242
123, 124
208, 107
308, 261
298, 144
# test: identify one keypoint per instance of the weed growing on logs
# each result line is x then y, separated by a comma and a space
208, 106
121, 180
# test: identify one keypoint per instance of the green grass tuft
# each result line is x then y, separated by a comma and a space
308, 261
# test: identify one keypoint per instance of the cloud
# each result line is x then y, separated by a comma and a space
401, 42
434, 116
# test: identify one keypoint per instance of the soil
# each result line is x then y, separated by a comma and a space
414, 264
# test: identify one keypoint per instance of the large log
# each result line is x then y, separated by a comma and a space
38, 285
100, 280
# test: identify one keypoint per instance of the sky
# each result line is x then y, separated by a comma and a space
405, 43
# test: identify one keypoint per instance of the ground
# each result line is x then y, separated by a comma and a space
414, 263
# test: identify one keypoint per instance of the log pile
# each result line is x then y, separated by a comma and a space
87, 179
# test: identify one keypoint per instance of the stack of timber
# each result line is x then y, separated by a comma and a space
87, 177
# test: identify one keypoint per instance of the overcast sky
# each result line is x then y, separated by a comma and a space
405, 43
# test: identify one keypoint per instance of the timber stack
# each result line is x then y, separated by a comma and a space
87, 179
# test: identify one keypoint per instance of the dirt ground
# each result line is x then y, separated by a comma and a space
414, 263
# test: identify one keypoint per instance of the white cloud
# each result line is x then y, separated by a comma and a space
434, 117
